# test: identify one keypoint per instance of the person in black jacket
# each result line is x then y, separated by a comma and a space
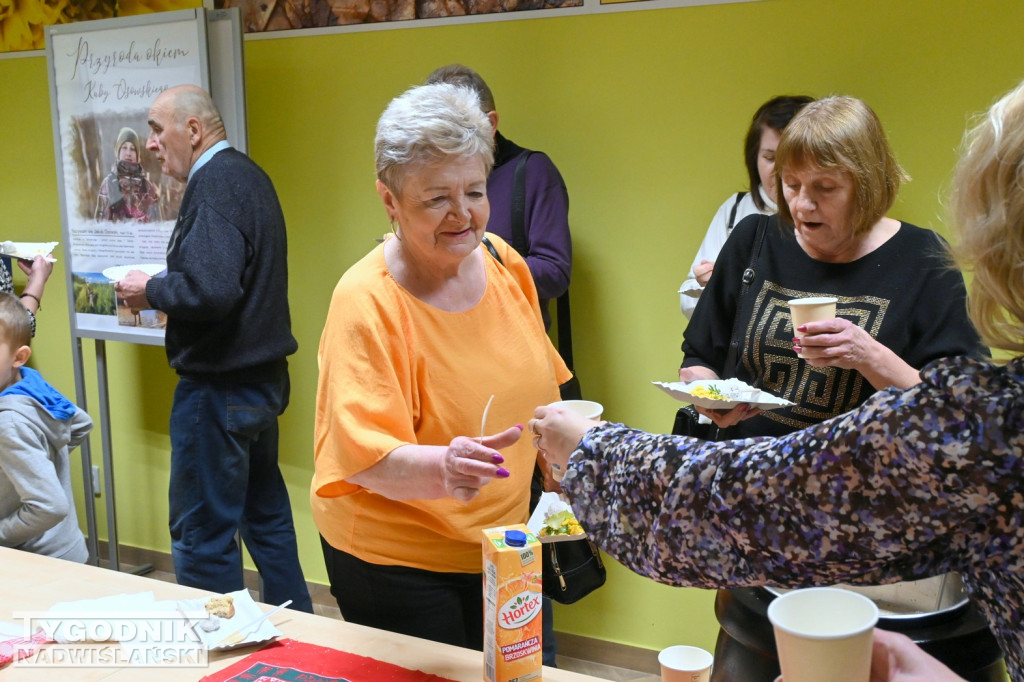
228, 336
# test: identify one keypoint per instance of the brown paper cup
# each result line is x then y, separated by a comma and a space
804, 310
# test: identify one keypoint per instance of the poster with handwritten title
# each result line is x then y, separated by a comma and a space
119, 207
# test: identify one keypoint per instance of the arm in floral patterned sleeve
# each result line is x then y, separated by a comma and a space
883, 493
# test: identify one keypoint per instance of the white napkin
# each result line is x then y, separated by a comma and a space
148, 629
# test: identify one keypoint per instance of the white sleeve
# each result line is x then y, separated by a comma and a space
715, 237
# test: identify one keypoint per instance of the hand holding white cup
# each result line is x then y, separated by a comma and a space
823, 634
587, 409
813, 309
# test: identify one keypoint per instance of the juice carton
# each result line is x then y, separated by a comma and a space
512, 605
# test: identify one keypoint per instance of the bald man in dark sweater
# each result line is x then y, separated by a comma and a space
228, 336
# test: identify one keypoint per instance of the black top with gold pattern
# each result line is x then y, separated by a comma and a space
904, 293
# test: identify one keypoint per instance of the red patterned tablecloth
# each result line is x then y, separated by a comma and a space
288, 660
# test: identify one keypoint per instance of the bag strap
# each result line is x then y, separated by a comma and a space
732, 214
564, 330
563, 312
731, 357
491, 250
731, 361
519, 205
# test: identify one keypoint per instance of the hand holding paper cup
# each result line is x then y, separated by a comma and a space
584, 408
824, 634
685, 664
814, 309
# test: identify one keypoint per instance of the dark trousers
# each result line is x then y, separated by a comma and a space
225, 479
441, 607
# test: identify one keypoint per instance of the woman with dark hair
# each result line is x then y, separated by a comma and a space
759, 154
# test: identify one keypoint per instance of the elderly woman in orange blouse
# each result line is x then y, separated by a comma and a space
421, 333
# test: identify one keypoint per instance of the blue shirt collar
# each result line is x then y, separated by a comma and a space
207, 155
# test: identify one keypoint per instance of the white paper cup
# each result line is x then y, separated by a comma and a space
685, 664
584, 408
804, 310
823, 634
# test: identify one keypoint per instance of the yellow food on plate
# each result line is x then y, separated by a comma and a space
709, 392
223, 607
561, 523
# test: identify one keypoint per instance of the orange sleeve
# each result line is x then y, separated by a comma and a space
362, 413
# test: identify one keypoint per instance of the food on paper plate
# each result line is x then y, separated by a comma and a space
223, 607
726, 390
709, 392
561, 523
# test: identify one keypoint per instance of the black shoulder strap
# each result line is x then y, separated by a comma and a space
732, 214
519, 205
564, 330
731, 358
564, 319
519, 243
491, 250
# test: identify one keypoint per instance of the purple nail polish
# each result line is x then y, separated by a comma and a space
503, 472
497, 459
519, 426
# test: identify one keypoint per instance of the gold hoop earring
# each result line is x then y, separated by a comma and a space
395, 231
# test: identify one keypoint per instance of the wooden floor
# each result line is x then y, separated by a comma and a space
325, 607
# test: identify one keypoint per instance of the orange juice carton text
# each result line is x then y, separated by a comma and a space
512, 605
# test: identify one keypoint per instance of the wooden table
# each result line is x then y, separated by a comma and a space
29, 582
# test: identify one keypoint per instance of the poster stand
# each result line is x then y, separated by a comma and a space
103, 77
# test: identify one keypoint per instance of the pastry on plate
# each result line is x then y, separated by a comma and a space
223, 607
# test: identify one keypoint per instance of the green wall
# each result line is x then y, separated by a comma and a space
642, 111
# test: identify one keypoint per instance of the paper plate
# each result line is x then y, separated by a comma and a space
28, 250
737, 391
246, 611
118, 272
548, 504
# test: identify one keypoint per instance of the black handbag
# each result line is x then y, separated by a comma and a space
572, 569
688, 424
687, 418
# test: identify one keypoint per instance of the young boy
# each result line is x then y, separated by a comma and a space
37, 428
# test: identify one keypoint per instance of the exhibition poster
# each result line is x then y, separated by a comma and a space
119, 209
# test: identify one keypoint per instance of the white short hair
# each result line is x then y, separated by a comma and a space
429, 123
